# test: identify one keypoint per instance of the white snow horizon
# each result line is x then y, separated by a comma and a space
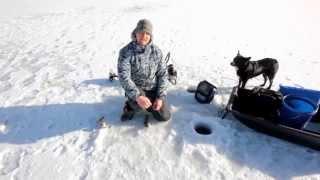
55, 57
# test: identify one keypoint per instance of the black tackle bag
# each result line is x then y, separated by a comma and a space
258, 102
205, 92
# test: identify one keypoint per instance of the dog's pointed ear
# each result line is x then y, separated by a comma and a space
238, 53
248, 58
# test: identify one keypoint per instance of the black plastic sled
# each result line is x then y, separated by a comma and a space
309, 135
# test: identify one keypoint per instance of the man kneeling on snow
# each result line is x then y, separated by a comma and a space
143, 75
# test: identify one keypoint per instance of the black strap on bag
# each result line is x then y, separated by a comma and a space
205, 92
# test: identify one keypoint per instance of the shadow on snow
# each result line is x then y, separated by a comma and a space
277, 158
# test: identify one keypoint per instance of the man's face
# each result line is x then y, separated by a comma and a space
143, 38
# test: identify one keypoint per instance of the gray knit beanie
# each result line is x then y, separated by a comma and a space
144, 25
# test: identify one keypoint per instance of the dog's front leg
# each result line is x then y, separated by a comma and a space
244, 82
239, 84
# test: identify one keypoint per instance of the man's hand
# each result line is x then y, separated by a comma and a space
143, 102
157, 104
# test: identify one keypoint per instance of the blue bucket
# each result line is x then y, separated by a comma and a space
312, 94
296, 110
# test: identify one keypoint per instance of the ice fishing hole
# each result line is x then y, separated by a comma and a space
203, 129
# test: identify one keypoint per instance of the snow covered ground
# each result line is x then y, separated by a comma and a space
54, 63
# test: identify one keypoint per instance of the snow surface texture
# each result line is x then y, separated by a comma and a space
53, 88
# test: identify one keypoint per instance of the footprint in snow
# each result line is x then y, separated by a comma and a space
9, 161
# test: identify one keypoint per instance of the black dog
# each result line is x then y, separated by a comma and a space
247, 69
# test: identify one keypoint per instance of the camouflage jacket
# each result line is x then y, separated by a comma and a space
142, 69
